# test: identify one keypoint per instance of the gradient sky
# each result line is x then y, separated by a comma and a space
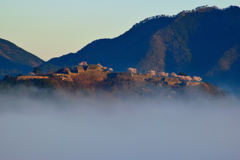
51, 28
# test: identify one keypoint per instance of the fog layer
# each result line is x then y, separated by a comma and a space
65, 127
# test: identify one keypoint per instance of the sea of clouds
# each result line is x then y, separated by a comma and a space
63, 126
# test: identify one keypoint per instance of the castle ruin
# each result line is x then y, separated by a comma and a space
100, 72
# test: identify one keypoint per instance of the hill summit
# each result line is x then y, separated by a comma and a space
94, 78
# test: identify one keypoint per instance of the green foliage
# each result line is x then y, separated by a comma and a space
39, 83
43, 83
36, 70
10, 79
182, 74
184, 28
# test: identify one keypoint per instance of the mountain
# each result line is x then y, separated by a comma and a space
8, 67
14, 60
203, 42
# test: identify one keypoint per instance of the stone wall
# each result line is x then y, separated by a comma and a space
138, 77
80, 69
149, 75
157, 79
174, 84
193, 83
60, 74
171, 79
94, 68
101, 74
31, 77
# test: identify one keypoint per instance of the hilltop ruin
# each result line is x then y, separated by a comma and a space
100, 74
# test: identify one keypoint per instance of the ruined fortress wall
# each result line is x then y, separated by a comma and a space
101, 74
80, 69
157, 79
193, 83
139, 78
89, 81
174, 83
60, 74
149, 75
31, 77
171, 79
94, 68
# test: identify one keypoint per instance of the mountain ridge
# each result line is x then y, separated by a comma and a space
182, 43
15, 60
204, 41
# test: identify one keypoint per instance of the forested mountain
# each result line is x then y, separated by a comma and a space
14, 60
204, 41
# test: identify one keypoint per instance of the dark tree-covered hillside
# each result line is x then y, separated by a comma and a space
14, 60
203, 42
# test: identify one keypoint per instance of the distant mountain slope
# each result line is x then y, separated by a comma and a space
121, 52
14, 60
18, 55
203, 42
8, 67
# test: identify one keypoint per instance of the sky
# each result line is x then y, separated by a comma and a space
52, 28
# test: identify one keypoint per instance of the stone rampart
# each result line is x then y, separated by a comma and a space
59, 74
148, 75
157, 79
31, 77
94, 68
193, 83
80, 69
171, 79
101, 74
138, 77
174, 84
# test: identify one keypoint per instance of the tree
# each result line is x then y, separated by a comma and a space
10, 79
36, 70
182, 74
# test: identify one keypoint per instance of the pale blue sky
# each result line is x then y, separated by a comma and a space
51, 28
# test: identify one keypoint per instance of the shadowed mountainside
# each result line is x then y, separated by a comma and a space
204, 42
15, 60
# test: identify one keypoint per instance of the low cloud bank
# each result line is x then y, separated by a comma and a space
65, 126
